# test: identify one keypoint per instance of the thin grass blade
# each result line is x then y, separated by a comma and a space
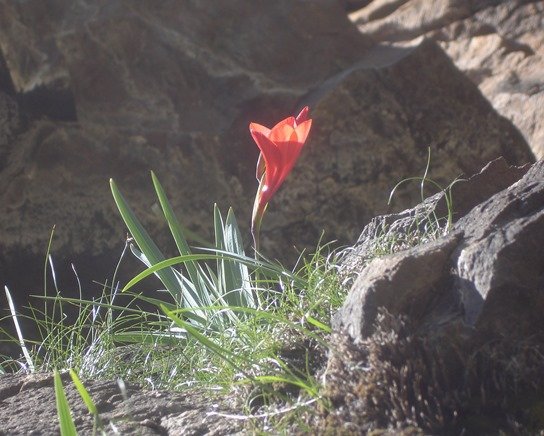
28, 359
175, 228
236, 273
84, 393
66, 423
225, 354
264, 268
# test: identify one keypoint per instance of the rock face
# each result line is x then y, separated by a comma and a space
113, 89
488, 269
470, 301
28, 406
499, 45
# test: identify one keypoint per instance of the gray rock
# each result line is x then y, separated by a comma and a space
447, 337
404, 229
499, 264
487, 272
409, 283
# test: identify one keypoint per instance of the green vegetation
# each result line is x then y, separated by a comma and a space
66, 423
418, 226
241, 324
225, 322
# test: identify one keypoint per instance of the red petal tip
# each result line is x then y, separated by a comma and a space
303, 115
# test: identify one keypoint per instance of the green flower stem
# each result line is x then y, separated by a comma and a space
256, 230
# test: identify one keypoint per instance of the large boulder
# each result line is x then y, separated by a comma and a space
447, 336
114, 89
374, 126
488, 267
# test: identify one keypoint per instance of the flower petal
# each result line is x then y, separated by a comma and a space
302, 130
268, 148
280, 148
290, 151
289, 121
258, 128
302, 116
272, 157
282, 133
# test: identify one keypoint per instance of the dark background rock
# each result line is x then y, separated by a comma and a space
114, 89
498, 44
374, 126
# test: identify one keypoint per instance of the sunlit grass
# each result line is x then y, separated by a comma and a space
270, 365
228, 323
112, 336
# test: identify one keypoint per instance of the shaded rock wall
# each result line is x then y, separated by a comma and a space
373, 128
168, 88
498, 44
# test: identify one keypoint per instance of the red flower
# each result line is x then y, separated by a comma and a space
280, 148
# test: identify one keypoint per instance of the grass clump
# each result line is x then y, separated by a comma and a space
418, 225
267, 360
388, 234
224, 322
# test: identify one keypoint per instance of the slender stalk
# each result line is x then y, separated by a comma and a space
257, 217
256, 233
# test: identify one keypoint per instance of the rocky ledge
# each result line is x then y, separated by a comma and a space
448, 337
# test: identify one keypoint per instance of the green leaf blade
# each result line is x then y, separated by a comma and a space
66, 423
144, 241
